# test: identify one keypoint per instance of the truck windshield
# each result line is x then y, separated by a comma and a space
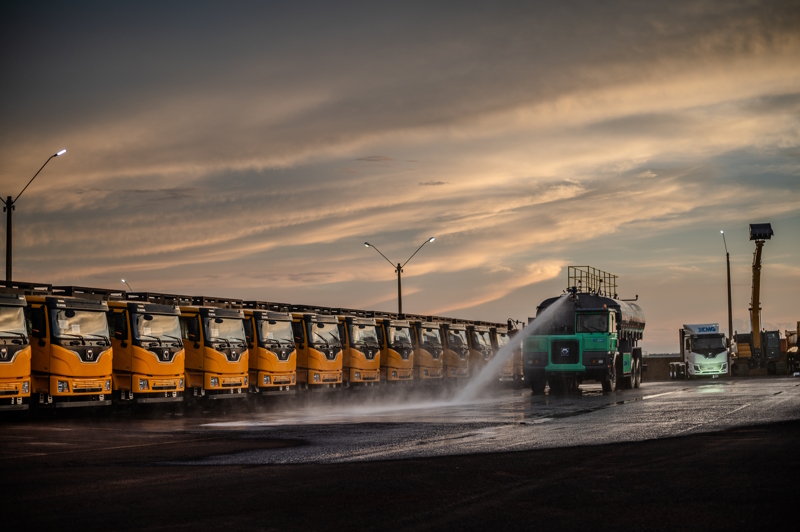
225, 329
432, 336
708, 343
481, 339
326, 333
589, 323
158, 327
80, 324
399, 335
12, 321
502, 339
456, 338
276, 331
365, 334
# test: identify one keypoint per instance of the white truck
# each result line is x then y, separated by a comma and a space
703, 352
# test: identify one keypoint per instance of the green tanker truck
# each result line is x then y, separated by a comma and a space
587, 334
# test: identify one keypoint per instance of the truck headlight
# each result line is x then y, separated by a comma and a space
358, 375
266, 379
214, 382
180, 383
143, 384
453, 371
108, 385
696, 367
394, 374
245, 381
25, 387
316, 377
425, 372
63, 387
293, 377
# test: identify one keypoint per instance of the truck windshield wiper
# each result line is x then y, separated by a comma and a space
173, 337
104, 338
156, 338
322, 338
23, 336
83, 340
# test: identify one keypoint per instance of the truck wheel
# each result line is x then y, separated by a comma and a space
537, 386
637, 372
610, 381
619, 375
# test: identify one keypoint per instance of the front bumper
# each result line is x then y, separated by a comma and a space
15, 388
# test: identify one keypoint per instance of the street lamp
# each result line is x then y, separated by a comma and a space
730, 315
9, 208
126, 284
399, 270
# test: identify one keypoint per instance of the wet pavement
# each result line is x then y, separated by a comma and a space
380, 425
711, 455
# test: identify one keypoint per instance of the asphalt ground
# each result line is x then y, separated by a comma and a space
685, 455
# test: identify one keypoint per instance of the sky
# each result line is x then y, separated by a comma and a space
249, 149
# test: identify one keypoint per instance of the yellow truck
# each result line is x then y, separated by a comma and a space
270, 341
456, 350
361, 350
500, 338
480, 346
148, 350
426, 336
15, 351
319, 348
217, 358
397, 349
72, 357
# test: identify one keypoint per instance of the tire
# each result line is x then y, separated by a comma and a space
610, 382
637, 373
537, 386
619, 376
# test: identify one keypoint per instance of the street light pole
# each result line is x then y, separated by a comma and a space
399, 270
730, 313
9, 208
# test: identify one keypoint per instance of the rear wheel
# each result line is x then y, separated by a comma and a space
537, 386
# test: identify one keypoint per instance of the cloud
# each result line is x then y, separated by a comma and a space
375, 159
432, 183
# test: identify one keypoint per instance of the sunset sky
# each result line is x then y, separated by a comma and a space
248, 149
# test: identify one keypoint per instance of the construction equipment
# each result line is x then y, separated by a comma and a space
397, 349
148, 350
703, 352
319, 347
361, 362
759, 348
217, 359
71, 353
15, 351
590, 335
426, 335
480, 346
270, 343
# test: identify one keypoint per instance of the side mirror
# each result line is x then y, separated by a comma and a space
120, 327
193, 331
38, 326
248, 330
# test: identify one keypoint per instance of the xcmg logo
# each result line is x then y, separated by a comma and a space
706, 329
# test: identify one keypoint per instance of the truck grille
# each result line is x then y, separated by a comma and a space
564, 352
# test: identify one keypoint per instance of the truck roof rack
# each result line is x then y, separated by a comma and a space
219, 302
353, 312
158, 298
312, 309
83, 292
267, 305
27, 289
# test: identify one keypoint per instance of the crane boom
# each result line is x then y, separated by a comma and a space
760, 233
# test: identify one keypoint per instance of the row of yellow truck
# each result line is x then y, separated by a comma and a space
66, 346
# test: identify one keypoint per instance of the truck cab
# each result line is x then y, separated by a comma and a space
500, 338
397, 350
71, 353
480, 346
587, 336
217, 358
361, 360
148, 350
426, 336
270, 342
703, 350
456, 350
319, 348
15, 352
